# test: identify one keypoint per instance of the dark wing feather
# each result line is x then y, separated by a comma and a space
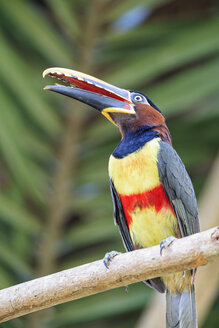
120, 220
179, 189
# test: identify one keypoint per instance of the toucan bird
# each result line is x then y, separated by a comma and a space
152, 194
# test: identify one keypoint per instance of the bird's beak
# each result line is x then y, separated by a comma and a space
101, 95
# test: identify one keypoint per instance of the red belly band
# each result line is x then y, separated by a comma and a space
156, 198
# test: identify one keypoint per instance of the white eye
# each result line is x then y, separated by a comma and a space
138, 98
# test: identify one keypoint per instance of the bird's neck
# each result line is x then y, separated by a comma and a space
134, 140
164, 133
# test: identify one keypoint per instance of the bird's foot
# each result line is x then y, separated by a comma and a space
166, 243
109, 257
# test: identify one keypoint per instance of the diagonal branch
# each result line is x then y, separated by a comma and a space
92, 278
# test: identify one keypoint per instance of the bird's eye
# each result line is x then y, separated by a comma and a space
138, 98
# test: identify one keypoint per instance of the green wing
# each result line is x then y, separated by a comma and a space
179, 189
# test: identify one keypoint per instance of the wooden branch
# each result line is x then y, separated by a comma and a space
92, 278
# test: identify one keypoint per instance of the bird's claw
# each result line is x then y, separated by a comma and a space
166, 243
109, 257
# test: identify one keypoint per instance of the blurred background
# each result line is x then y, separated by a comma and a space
55, 205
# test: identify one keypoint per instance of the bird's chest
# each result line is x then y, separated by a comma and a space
147, 209
136, 172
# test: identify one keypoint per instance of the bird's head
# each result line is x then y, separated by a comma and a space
127, 109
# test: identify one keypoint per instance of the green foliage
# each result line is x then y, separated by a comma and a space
55, 206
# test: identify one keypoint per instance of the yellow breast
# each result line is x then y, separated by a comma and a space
136, 172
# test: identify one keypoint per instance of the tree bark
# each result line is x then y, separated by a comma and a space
182, 254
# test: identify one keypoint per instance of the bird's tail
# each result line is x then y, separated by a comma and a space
181, 309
